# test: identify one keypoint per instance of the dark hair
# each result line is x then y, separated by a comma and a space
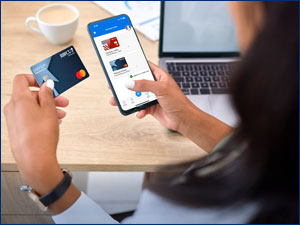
260, 162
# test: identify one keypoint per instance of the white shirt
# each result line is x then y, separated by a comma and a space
153, 208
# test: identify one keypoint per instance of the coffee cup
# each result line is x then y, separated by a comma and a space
57, 22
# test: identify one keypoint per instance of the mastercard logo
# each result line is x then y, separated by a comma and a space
80, 74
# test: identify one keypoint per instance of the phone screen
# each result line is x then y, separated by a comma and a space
123, 59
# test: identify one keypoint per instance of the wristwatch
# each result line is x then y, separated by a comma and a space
45, 200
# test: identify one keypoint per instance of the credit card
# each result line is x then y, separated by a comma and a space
110, 43
65, 68
118, 64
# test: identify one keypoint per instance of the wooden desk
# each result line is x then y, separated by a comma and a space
94, 136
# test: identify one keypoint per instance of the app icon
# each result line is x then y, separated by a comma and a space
138, 93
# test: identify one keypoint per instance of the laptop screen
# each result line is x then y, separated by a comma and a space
197, 27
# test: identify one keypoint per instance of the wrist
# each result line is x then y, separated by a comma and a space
203, 129
58, 198
66, 200
190, 117
43, 177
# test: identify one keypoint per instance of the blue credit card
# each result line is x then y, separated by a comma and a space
65, 68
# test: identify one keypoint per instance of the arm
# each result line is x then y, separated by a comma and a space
175, 111
33, 128
203, 129
84, 211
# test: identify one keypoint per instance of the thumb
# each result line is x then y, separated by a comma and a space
46, 94
142, 85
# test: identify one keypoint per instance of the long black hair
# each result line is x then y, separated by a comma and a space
260, 163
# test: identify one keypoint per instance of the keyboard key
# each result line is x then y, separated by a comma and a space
189, 79
212, 73
223, 67
194, 91
213, 85
205, 67
214, 67
204, 91
222, 84
179, 68
199, 79
203, 73
189, 67
204, 85
220, 73
224, 78
198, 67
207, 79
171, 68
195, 85
185, 73
194, 67
175, 74
195, 73
186, 85
216, 79
185, 91
179, 79
219, 91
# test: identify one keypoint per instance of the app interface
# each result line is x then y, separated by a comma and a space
123, 59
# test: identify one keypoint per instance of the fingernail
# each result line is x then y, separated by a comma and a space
50, 84
129, 84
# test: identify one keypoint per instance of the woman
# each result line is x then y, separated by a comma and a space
251, 176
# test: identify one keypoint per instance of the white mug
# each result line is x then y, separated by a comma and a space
56, 33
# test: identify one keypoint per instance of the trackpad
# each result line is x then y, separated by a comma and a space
221, 108
201, 101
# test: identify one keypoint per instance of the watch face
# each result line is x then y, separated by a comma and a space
34, 197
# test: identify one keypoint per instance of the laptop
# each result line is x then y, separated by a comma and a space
198, 47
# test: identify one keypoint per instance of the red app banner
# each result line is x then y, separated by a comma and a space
110, 43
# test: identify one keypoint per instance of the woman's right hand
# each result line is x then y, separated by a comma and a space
173, 105
175, 111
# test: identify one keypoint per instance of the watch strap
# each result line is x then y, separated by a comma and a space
60, 189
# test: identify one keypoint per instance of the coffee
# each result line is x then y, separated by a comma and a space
57, 15
57, 22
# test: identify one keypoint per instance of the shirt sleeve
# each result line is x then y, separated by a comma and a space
84, 211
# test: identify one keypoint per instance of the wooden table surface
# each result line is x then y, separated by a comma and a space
94, 136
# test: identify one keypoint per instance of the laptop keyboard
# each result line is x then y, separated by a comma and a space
201, 78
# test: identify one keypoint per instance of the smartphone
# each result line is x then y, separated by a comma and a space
122, 58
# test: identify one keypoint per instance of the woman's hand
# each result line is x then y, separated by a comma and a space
33, 128
173, 105
175, 111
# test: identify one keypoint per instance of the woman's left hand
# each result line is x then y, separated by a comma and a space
33, 127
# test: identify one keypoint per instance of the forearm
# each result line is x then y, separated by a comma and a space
203, 129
